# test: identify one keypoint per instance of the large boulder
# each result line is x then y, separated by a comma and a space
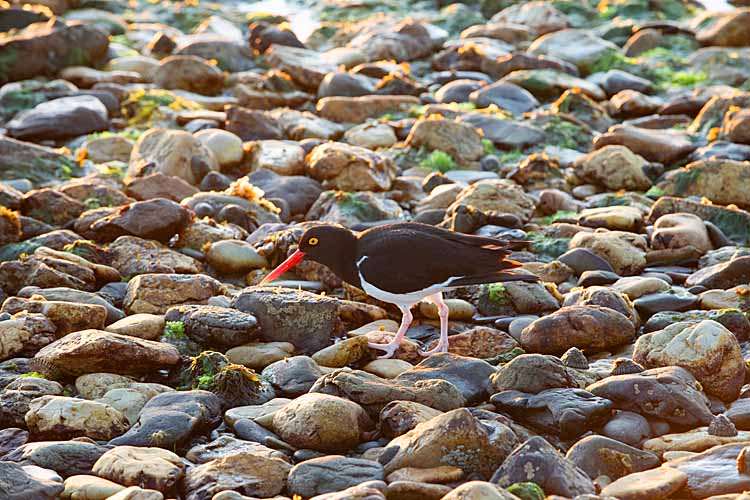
706, 349
350, 168
172, 152
60, 118
91, 351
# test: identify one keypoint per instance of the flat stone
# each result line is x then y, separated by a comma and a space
654, 484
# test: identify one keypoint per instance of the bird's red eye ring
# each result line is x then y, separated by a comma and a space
312, 241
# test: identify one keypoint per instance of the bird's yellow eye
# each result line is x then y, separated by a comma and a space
312, 241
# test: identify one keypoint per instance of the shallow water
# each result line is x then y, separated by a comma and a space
301, 18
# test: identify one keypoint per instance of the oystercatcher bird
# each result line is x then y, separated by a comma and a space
405, 263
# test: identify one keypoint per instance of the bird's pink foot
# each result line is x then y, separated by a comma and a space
441, 347
389, 348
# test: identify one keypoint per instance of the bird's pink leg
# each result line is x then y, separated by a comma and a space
442, 346
390, 348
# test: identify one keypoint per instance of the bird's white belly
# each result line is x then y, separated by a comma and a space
402, 299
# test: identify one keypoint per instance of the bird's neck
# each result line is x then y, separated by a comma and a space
345, 266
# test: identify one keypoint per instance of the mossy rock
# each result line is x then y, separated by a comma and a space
526, 491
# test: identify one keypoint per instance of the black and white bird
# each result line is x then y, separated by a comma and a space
405, 263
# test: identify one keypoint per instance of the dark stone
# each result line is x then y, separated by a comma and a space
60, 118
262, 35
331, 473
597, 278
507, 96
583, 259
722, 150
67, 458
249, 430
615, 80
733, 320
217, 327
724, 275
298, 191
506, 134
293, 376
470, 375
602, 456
341, 83
457, 91
566, 412
653, 303
667, 393
171, 419
252, 125
539, 462
306, 320
17, 484
628, 427
158, 219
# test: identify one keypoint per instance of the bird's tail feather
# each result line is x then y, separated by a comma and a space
495, 277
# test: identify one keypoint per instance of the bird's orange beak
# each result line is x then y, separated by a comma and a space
289, 263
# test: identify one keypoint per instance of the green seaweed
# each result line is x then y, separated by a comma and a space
733, 224
33, 375
7, 59
559, 215
497, 293
439, 161
77, 57
684, 179
655, 192
550, 247
174, 330
613, 59
567, 135
526, 491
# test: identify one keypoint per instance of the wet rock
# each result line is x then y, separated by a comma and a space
245, 473
579, 47
500, 196
215, 326
259, 355
371, 135
671, 300
90, 351
86, 486
152, 468
60, 416
67, 458
598, 455
172, 153
171, 419
727, 31
350, 168
226, 445
706, 349
330, 474
680, 230
568, 413
627, 427
532, 373
156, 293
506, 96
299, 192
306, 67
506, 134
150, 257
719, 470
45, 48
664, 147
613, 167
666, 393
60, 118
460, 141
158, 219
309, 329
591, 328
655, 484
373, 392
321, 422
582, 260
348, 209
470, 376
541, 17
358, 109
25, 334
19, 482
538, 461
455, 438
625, 252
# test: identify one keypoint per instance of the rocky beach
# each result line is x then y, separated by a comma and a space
159, 158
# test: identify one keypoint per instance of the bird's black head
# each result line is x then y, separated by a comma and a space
328, 245
332, 246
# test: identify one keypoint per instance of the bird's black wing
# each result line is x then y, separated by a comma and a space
409, 257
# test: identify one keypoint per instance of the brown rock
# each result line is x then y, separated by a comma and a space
155, 293
661, 146
358, 109
158, 185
